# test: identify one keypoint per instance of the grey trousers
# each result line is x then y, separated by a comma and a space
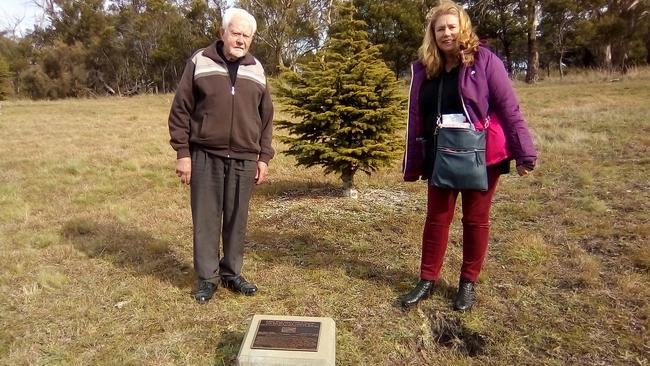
220, 194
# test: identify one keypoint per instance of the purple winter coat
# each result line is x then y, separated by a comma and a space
485, 89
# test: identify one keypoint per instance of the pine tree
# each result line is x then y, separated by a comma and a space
345, 103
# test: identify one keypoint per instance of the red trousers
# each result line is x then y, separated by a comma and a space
476, 226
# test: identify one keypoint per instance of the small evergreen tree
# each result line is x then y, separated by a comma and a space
345, 102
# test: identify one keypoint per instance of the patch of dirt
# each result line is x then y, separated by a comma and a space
329, 202
449, 332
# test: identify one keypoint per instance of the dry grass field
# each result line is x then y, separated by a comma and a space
96, 254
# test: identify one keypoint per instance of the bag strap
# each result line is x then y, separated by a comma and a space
486, 121
440, 84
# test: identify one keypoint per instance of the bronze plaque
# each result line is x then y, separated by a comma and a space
287, 335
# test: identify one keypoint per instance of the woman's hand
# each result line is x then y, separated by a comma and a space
522, 170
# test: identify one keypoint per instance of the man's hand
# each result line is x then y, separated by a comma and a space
262, 170
184, 169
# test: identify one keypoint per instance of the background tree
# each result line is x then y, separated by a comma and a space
345, 103
5, 79
620, 27
397, 27
559, 27
532, 64
286, 29
503, 21
13, 54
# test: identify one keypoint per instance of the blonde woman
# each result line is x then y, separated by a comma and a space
473, 85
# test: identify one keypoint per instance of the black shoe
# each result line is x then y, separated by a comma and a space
465, 297
239, 284
205, 292
420, 292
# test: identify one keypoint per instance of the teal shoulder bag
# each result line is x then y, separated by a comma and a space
459, 161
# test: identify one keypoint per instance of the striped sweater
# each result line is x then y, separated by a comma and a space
211, 113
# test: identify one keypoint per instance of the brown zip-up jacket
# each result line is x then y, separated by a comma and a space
211, 113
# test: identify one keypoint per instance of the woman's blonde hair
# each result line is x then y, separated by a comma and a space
430, 55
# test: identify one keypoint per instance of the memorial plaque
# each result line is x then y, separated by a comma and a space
287, 335
284, 340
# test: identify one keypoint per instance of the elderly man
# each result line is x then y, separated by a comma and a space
221, 127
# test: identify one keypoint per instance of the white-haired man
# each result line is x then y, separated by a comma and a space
220, 125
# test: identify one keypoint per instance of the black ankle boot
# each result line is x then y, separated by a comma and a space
465, 297
420, 292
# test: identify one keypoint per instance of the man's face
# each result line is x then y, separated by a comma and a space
236, 38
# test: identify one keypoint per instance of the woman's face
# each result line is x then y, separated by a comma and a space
446, 30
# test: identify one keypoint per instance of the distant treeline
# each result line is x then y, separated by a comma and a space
125, 47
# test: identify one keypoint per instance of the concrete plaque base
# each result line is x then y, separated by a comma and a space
274, 340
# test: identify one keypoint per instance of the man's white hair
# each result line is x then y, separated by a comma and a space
232, 13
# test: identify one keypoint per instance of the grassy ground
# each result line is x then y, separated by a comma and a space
95, 245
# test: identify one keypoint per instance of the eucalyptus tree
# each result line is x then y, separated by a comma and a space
505, 21
286, 29
560, 28
397, 27
532, 9
621, 28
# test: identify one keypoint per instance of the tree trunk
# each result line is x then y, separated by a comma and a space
163, 82
347, 176
278, 55
507, 53
608, 57
505, 40
533, 55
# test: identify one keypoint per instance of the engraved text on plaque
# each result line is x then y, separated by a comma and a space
287, 335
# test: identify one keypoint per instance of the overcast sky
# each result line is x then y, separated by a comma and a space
12, 11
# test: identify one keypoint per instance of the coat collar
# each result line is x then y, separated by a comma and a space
211, 52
